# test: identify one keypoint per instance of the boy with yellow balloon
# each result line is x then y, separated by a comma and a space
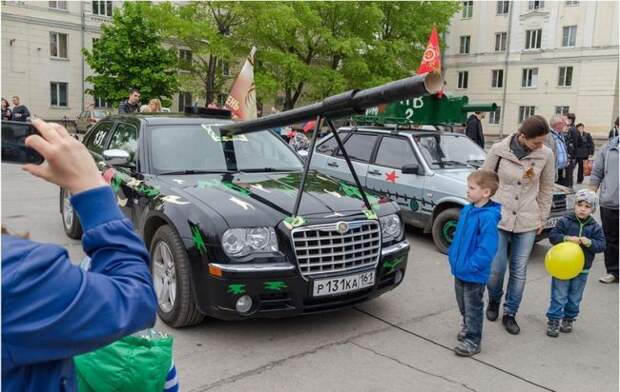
577, 238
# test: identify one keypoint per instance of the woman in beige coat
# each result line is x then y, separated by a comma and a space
526, 170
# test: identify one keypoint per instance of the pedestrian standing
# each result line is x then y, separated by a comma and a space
580, 228
585, 150
605, 177
473, 129
525, 167
573, 141
20, 112
556, 142
471, 254
613, 132
6, 110
131, 104
155, 105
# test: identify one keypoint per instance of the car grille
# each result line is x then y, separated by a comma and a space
559, 202
322, 249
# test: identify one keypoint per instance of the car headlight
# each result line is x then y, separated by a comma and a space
391, 227
242, 242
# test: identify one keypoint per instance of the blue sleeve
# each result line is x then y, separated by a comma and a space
58, 310
558, 232
484, 254
598, 239
453, 250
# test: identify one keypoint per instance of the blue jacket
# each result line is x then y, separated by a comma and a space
475, 242
571, 226
53, 310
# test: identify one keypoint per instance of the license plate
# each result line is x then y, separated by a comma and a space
551, 222
343, 284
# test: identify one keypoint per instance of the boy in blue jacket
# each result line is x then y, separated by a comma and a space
580, 228
470, 255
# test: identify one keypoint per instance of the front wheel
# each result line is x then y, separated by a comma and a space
70, 220
172, 281
444, 228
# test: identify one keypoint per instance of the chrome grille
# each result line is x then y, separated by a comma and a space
322, 249
558, 202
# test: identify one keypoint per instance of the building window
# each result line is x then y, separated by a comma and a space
185, 99
536, 5
503, 7
463, 76
468, 9
525, 112
494, 117
571, 3
58, 45
225, 69
529, 77
185, 58
101, 103
58, 94
497, 78
532, 39
563, 110
59, 5
565, 78
103, 8
569, 35
95, 41
500, 41
465, 41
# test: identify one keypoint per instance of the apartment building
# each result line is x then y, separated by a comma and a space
536, 57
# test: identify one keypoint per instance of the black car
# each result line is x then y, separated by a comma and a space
215, 213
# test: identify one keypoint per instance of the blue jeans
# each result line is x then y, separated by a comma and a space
469, 298
520, 248
566, 296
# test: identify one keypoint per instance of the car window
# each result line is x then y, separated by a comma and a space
359, 146
125, 137
395, 152
97, 137
443, 150
329, 146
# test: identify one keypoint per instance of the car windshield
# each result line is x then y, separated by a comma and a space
449, 151
203, 148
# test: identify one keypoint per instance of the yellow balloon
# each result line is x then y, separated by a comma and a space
564, 260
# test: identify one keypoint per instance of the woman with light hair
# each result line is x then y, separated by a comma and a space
145, 109
155, 105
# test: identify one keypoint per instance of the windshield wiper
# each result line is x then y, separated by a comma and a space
193, 171
441, 163
267, 169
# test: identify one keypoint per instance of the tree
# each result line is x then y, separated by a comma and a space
130, 54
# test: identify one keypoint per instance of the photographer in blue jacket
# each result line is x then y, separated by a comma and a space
53, 310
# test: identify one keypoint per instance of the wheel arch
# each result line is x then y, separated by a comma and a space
441, 207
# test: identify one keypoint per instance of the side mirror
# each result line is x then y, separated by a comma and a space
412, 168
116, 157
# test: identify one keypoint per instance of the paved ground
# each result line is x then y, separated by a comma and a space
399, 342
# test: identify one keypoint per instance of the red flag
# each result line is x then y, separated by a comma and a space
431, 60
242, 98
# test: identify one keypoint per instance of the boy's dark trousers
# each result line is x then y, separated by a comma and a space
469, 298
609, 218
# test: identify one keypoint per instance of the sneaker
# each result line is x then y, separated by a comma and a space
461, 335
609, 278
553, 328
567, 325
492, 310
511, 324
467, 349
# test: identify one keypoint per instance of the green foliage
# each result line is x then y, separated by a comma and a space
130, 54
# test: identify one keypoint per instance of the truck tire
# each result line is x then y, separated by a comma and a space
444, 227
70, 220
176, 305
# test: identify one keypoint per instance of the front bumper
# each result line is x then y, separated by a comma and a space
278, 289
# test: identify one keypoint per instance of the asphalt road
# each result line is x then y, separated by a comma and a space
401, 341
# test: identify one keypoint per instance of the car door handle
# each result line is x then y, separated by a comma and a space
374, 172
332, 164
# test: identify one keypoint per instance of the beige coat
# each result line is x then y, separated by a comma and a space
525, 187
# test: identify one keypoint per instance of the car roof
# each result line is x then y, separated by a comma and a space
168, 118
392, 131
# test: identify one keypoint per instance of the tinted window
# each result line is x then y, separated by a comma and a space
329, 146
125, 137
449, 150
359, 146
395, 152
97, 137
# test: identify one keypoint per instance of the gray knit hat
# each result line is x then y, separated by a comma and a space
588, 196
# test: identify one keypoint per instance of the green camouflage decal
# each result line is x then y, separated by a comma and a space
236, 289
116, 183
225, 138
223, 185
354, 192
292, 222
414, 205
198, 238
275, 285
390, 265
370, 214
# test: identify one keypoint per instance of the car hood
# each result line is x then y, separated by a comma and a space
251, 199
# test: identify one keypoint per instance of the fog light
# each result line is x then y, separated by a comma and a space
244, 304
398, 276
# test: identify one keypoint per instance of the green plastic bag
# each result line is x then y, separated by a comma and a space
133, 363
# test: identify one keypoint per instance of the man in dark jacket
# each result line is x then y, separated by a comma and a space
474, 128
131, 104
53, 310
585, 151
20, 112
613, 132
573, 141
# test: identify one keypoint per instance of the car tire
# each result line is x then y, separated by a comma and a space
178, 310
444, 227
70, 220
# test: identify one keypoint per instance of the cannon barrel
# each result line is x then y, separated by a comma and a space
345, 104
479, 107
